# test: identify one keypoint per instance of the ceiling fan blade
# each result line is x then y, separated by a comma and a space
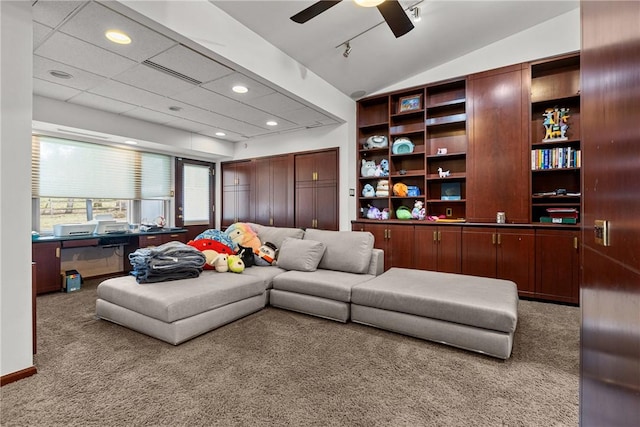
396, 18
313, 11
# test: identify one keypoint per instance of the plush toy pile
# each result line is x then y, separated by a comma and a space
234, 249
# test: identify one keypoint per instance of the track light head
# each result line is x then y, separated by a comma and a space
347, 50
415, 14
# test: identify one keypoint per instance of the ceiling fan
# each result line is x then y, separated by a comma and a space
391, 11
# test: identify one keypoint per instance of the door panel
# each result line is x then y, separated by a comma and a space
180, 194
479, 252
516, 251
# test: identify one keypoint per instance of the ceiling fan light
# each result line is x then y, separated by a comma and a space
368, 3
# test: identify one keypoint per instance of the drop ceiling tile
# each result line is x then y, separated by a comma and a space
305, 116
154, 81
76, 53
230, 136
149, 115
51, 13
93, 21
223, 86
53, 90
81, 80
276, 103
101, 103
40, 33
186, 111
125, 93
190, 63
188, 125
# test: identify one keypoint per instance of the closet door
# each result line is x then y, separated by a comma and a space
316, 190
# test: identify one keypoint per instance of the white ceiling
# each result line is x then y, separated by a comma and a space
69, 37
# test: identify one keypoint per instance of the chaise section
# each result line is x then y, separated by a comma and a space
175, 311
474, 313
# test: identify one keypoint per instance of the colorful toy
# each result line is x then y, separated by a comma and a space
235, 264
382, 188
246, 255
242, 234
216, 235
384, 165
385, 213
211, 250
368, 168
220, 263
400, 189
402, 145
374, 213
368, 191
418, 211
266, 255
376, 141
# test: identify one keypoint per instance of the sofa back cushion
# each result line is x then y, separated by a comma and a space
276, 235
300, 255
348, 251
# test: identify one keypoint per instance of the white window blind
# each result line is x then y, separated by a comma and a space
196, 204
65, 168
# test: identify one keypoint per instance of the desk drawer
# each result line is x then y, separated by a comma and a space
153, 240
80, 243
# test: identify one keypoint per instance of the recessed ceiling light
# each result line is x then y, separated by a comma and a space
369, 3
221, 134
175, 108
129, 142
272, 123
118, 37
240, 89
60, 74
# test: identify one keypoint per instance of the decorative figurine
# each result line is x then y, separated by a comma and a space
443, 174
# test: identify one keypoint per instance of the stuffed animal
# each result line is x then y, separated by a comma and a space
376, 141
418, 211
246, 254
368, 168
443, 174
242, 234
218, 236
235, 264
384, 165
385, 213
382, 188
368, 191
400, 190
266, 255
220, 263
374, 213
211, 249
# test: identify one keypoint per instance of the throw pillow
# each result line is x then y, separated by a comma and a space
300, 255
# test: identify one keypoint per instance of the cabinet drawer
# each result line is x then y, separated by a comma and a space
154, 240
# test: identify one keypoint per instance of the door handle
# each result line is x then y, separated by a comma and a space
499, 239
435, 236
439, 236
493, 238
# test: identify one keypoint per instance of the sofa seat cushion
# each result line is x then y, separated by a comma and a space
266, 273
469, 300
348, 251
335, 285
179, 299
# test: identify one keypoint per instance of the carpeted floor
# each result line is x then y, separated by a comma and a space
279, 368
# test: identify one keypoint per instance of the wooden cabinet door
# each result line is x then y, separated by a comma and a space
244, 192
557, 265
316, 194
498, 156
425, 255
263, 191
47, 258
281, 180
326, 206
400, 244
479, 252
305, 204
515, 255
450, 249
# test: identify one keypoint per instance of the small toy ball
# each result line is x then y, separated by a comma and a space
235, 264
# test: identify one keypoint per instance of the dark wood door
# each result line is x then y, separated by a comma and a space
425, 256
400, 244
498, 156
263, 191
305, 204
326, 205
479, 251
281, 179
47, 258
515, 254
610, 282
316, 190
557, 265
244, 192
450, 249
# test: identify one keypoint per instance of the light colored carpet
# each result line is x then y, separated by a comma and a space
279, 368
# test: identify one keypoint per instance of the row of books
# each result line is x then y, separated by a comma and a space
555, 158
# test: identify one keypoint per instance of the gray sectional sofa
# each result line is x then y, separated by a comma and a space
336, 275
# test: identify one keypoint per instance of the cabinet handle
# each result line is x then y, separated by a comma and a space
435, 236
57, 252
439, 236
499, 238
389, 233
270, 221
493, 238
575, 243
151, 237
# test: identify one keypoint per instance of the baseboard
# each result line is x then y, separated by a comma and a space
18, 375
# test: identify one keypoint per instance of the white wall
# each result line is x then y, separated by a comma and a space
553, 37
15, 186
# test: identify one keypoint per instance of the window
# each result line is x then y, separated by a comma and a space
69, 176
196, 194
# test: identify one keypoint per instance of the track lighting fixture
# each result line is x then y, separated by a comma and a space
415, 14
347, 50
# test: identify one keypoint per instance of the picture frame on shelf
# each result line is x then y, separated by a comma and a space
410, 103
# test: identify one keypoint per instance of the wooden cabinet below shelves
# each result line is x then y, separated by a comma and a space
397, 242
438, 248
501, 253
557, 265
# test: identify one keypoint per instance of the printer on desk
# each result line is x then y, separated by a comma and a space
103, 224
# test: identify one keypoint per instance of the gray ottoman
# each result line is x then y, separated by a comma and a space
474, 313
